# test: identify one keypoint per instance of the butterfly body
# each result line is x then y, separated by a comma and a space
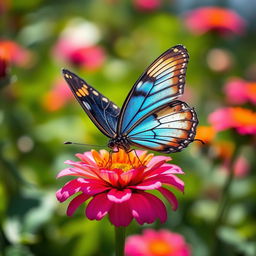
151, 116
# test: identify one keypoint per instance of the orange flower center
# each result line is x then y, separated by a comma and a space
121, 159
124, 167
160, 248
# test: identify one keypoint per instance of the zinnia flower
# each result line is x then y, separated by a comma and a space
157, 243
239, 91
13, 53
241, 119
204, 19
117, 184
78, 45
147, 5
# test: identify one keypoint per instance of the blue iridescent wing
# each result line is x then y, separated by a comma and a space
161, 83
100, 109
168, 129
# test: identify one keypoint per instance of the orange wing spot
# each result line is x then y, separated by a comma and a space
85, 86
81, 92
78, 94
85, 91
154, 66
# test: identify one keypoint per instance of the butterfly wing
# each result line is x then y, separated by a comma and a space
168, 129
161, 83
100, 109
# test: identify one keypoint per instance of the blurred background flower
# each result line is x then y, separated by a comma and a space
77, 45
157, 243
109, 43
222, 20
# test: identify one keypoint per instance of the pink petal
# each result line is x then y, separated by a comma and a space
94, 187
146, 208
171, 180
68, 190
134, 175
119, 196
173, 169
76, 202
87, 158
92, 170
158, 206
109, 176
142, 209
157, 159
75, 172
170, 197
120, 214
98, 207
148, 184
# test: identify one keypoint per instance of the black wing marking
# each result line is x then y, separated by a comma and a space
103, 112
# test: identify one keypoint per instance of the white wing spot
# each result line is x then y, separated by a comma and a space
87, 105
139, 84
95, 93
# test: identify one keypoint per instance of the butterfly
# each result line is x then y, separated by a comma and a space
151, 116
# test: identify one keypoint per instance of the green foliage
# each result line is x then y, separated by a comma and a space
32, 131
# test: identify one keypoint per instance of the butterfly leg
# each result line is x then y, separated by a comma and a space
109, 163
137, 156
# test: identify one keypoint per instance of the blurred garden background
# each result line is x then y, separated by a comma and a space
109, 43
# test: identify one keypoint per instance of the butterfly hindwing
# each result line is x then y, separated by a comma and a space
161, 83
168, 129
100, 109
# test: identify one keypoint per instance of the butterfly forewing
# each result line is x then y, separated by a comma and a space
103, 112
168, 129
161, 83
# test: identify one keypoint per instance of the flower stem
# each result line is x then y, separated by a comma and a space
224, 204
120, 240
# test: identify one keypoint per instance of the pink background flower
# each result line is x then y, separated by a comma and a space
57, 97
239, 91
241, 119
78, 45
157, 243
147, 5
204, 19
118, 188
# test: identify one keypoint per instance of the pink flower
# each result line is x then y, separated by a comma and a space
117, 184
90, 58
239, 91
157, 243
241, 119
241, 167
57, 97
13, 53
204, 19
78, 45
147, 5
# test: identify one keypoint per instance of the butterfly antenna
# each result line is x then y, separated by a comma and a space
81, 144
200, 141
